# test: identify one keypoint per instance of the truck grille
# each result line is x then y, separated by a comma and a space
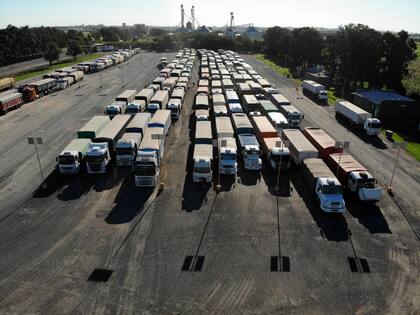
335, 203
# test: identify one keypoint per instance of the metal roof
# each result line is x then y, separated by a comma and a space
379, 96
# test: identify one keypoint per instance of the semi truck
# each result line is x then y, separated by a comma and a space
44, 86
158, 101
201, 102
145, 95
220, 110
275, 152
72, 158
249, 147
92, 128
354, 176
10, 101
315, 89
327, 188
103, 147
64, 83
292, 114
203, 152
299, 147
127, 146
136, 106
226, 144
175, 106
250, 103
357, 117
161, 119
178, 94
169, 84
147, 164
219, 99
127, 96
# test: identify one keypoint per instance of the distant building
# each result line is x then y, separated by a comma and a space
253, 33
391, 108
230, 33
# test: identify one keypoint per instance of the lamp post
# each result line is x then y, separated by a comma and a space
159, 137
341, 145
397, 144
282, 145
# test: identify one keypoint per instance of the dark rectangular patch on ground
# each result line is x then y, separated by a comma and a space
100, 275
187, 263
353, 264
285, 260
274, 263
199, 263
364, 264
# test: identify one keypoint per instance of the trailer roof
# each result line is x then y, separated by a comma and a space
205, 150
268, 106
298, 140
318, 168
77, 145
127, 94
131, 136
178, 93
203, 130
224, 126
159, 96
280, 99
202, 100
231, 94
219, 99
10, 96
277, 117
148, 93
114, 127
352, 107
262, 124
274, 142
250, 99
44, 81
148, 142
241, 121
347, 162
248, 139
94, 123
139, 120
320, 137
290, 108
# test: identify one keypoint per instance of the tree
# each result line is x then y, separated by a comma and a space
305, 46
157, 32
277, 43
411, 80
73, 48
52, 52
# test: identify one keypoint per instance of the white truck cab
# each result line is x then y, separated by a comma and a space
252, 157
372, 126
152, 108
227, 156
202, 169
330, 195
97, 158
364, 184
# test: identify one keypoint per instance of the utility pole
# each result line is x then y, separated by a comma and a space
38, 141
398, 145
282, 145
341, 145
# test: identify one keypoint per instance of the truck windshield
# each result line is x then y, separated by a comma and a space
66, 160
95, 159
366, 183
228, 156
132, 110
284, 159
252, 152
112, 111
331, 189
202, 170
145, 169
375, 125
124, 151
294, 116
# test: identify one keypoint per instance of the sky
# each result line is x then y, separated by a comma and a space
384, 15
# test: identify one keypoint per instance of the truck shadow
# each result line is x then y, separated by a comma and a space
333, 227
110, 179
129, 202
314, 99
270, 179
247, 178
193, 194
373, 140
368, 214
66, 187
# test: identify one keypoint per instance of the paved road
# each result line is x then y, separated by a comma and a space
190, 250
25, 65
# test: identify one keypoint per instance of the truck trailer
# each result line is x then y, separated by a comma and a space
357, 117
227, 149
315, 89
250, 103
354, 176
203, 152
103, 147
145, 95
127, 96
293, 115
73, 156
136, 106
158, 101
92, 128
275, 152
161, 119
10, 101
322, 141
299, 147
